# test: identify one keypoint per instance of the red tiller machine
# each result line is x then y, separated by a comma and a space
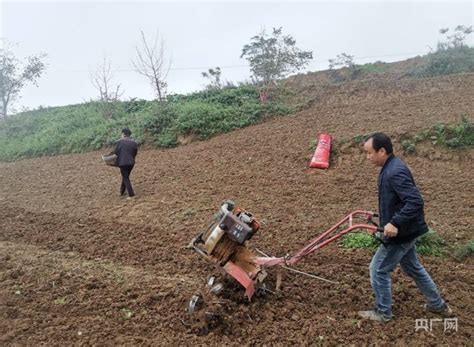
223, 243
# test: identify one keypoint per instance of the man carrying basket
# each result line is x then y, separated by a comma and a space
126, 151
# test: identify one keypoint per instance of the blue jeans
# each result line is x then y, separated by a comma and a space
384, 262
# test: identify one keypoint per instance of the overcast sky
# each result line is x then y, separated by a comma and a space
76, 36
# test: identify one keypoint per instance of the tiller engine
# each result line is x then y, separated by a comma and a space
223, 243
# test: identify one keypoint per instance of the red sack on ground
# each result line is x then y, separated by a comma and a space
320, 158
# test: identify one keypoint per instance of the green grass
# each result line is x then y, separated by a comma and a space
370, 68
95, 125
359, 139
458, 135
428, 244
358, 241
462, 252
431, 244
455, 136
408, 147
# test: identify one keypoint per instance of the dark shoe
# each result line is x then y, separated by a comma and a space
373, 315
444, 311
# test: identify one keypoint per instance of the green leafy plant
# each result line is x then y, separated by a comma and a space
15, 74
370, 68
456, 135
359, 240
431, 243
167, 139
452, 55
408, 147
465, 251
428, 244
418, 138
359, 139
214, 77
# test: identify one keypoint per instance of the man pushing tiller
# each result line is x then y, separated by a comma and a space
401, 221
402, 218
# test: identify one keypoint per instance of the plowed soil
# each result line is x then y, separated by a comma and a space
81, 265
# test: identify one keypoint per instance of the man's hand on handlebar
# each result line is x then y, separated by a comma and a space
390, 230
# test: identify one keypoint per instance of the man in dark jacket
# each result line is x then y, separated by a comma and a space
126, 151
402, 218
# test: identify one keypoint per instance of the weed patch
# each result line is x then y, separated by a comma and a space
428, 244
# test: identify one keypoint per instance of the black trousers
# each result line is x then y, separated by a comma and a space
126, 184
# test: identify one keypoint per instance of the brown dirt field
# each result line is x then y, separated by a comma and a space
80, 265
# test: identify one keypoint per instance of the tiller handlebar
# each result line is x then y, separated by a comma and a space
329, 236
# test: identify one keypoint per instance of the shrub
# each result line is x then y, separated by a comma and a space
373, 68
136, 105
462, 252
204, 119
161, 117
79, 128
166, 139
451, 56
450, 61
456, 135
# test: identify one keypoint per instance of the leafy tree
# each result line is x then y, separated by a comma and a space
214, 77
15, 74
273, 57
343, 60
456, 40
452, 54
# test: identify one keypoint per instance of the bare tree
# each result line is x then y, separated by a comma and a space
15, 75
102, 80
152, 64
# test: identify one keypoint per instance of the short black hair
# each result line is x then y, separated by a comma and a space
126, 131
381, 140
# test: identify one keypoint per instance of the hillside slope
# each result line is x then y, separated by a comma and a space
63, 222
